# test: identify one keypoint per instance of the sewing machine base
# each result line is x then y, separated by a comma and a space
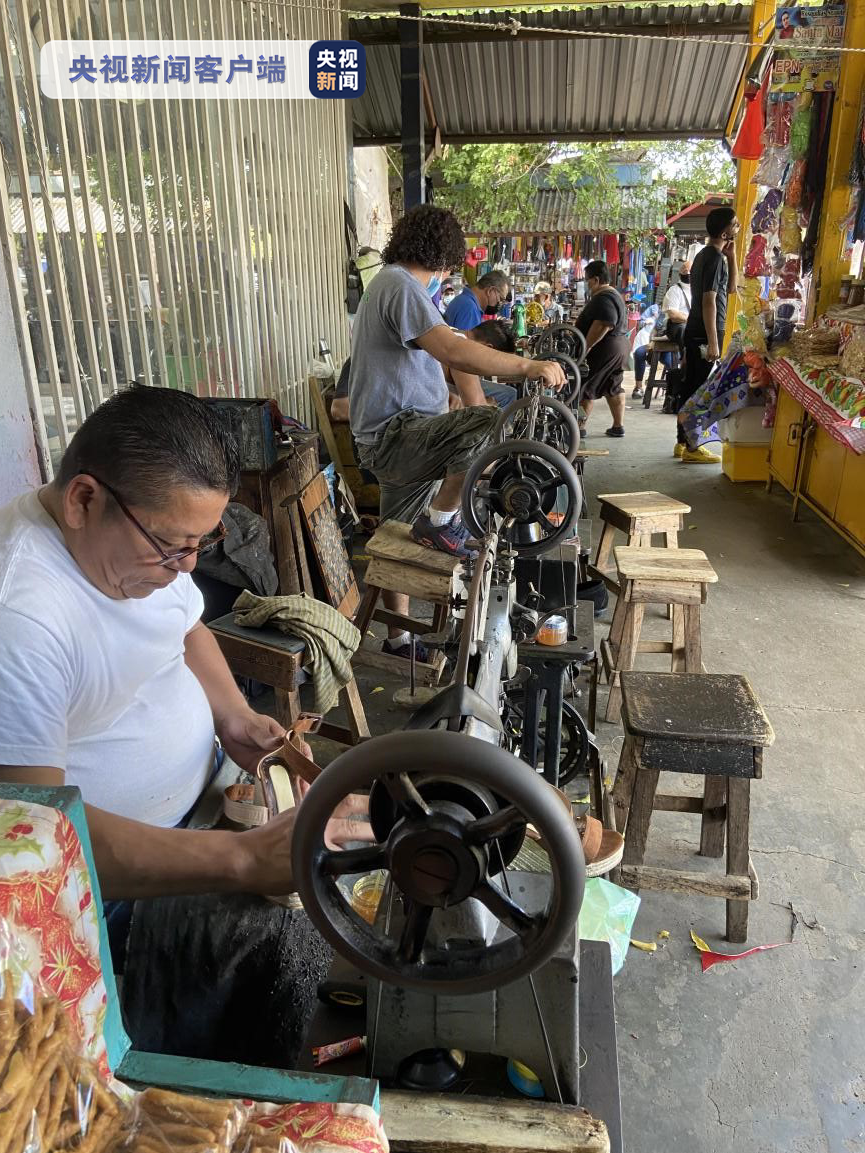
485, 1075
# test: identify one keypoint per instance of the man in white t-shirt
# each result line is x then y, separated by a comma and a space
108, 679
676, 305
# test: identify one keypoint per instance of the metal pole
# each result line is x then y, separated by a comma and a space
411, 90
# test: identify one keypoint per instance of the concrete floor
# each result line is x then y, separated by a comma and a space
765, 1054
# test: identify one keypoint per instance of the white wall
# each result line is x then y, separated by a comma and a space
19, 463
371, 200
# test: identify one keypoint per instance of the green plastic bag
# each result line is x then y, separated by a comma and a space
607, 914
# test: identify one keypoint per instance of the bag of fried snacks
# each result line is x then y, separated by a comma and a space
313, 1127
50, 1097
186, 1124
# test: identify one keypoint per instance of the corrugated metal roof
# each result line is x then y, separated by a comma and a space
630, 209
489, 85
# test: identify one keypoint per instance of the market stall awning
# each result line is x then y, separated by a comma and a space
670, 71
565, 213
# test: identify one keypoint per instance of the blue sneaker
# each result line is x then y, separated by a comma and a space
450, 538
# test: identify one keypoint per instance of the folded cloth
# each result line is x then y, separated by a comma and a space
331, 640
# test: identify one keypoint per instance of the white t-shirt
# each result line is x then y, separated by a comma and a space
94, 686
678, 298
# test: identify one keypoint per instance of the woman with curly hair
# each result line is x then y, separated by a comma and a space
398, 398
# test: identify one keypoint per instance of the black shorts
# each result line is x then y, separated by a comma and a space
605, 368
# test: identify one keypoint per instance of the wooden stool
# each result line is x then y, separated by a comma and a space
275, 658
656, 348
677, 577
640, 515
710, 724
400, 565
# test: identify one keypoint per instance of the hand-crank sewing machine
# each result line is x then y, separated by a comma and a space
466, 951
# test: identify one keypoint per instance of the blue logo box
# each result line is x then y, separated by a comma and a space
337, 69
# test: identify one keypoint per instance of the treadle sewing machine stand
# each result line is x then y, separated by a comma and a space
465, 953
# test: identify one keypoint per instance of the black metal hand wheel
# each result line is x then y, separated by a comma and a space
570, 393
448, 812
574, 754
520, 480
541, 418
565, 338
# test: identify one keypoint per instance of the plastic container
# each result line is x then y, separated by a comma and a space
744, 463
366, 895
554, 631
745, 427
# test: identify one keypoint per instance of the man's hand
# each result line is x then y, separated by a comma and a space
267, 849
248, 735
712, 350
549, 371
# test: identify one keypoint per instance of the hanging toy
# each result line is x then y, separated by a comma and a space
800, 128
795, 184
757, 260
790, 232
765, 219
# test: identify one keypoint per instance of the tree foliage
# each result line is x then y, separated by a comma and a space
492, 187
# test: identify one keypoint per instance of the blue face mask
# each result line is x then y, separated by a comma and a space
434, 285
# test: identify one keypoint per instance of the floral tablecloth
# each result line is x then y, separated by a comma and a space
835, 402
49, 931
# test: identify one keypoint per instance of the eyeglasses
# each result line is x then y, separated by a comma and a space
204, 545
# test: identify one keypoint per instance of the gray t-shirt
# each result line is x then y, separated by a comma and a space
389, 373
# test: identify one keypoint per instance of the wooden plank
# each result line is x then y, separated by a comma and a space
713, 825
402, 577
670, 803
332, 559
298, 544
425, 673
646, 503
677, 881
659, 592
437, 1123
693, 639
392, 541
678, 564
655, 647
284, 546
274, 667
738, 856
326, 429
639, 816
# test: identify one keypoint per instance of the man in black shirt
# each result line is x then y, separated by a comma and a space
714, 276
604, 324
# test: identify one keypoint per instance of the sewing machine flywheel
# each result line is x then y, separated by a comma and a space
542, 418
520, 481
448, 813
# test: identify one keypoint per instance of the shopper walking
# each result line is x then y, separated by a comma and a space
714, 275
604, 324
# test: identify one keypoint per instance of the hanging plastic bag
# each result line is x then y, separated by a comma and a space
757, 261
800, 127
764, 221
608, 914
772, 168
795, 184
790, 232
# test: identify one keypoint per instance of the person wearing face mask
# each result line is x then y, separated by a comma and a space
398, 399
467, 310
604, 324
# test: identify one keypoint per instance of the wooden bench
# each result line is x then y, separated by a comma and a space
677, 577
275, 658
398, 564
641, 516
706, 723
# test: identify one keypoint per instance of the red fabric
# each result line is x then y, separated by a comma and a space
611, 248
748, 144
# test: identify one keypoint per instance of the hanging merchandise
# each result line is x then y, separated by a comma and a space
779, 117
800, 128
757, 260
815, 180
747, 144
788, 285
790, 231
750, 301
772, 169
857, 175
764, 221
796, 184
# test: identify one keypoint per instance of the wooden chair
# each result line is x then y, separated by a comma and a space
656, 349
276, 658
641, 516
397, 564
707, 724
678, 577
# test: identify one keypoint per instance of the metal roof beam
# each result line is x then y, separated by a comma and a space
450, 34
625, 135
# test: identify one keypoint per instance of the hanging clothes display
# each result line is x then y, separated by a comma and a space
611, 248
